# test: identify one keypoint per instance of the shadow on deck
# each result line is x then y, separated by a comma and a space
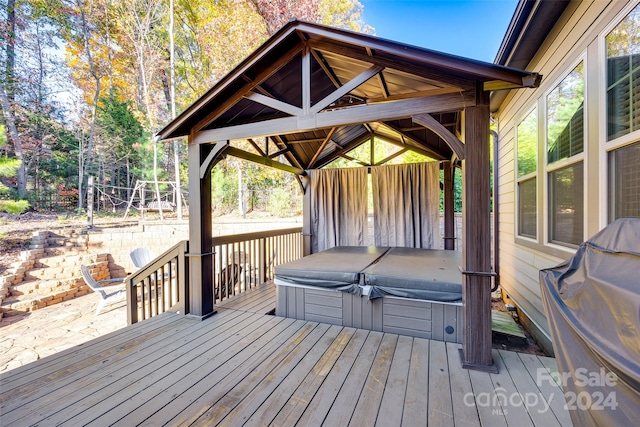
243, 367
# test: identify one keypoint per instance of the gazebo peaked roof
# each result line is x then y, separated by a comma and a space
318, 92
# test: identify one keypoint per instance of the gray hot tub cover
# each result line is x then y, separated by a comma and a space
592, 302
338, 268
427, 274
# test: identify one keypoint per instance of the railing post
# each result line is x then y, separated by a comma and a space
132, 303
262, 257
183, 278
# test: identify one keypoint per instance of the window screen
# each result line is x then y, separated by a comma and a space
566, 204
527, 218
565, 117
623, 76
624, 182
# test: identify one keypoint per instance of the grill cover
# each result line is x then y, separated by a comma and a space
592, 303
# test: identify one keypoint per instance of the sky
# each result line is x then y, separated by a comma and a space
469, 28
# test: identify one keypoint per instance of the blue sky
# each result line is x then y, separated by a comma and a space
470, 28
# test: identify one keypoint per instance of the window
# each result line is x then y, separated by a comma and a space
527, 208
565, 144
565, 117
566, 205
623, 76
527, 140
624, 182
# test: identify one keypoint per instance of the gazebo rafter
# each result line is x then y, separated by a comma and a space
318, 92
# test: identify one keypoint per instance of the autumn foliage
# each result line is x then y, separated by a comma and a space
87, 83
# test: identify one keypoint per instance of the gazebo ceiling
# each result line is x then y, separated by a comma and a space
286, 89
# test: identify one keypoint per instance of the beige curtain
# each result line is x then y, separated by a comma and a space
338, 207
406, 205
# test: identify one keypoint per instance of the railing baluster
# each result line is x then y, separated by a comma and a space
161, 286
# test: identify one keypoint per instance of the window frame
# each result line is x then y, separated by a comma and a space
607, 147
549, 168
635, 134
527, 177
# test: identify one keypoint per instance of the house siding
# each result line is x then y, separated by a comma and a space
576, 36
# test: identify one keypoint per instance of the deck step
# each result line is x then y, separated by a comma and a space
505, 326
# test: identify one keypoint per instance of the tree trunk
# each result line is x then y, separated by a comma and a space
92, 131
10, 51
176, 142
14, 137
96, 98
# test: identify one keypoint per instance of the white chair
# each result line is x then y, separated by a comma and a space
119, 294
141, 257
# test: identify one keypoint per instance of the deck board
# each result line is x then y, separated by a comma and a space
508, 395
539, 413
243, 367
366, 410
290, 412
195, 403
550, 391
440, 404
317, 409
417, 396
344, 404
390, 411
461, 388
127, 378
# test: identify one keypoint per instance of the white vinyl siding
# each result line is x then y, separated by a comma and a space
578, 36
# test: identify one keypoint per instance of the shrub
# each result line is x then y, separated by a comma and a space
14, 206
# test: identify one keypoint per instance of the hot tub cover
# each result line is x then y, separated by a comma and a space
592, 303
428, 274
337, 268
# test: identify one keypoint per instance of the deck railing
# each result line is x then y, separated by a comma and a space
159, 286
241, 262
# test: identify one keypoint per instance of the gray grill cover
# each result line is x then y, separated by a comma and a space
592, 303
336, 268
428, 274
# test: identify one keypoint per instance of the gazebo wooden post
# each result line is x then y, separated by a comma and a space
200, 286
476, 247
449, 207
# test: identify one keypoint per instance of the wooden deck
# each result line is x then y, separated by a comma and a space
243, 367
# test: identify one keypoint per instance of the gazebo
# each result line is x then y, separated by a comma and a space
315, 93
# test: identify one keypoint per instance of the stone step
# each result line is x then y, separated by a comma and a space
66, 241
62, 250
100, 269
70, 260
21, 304
51, 273
36, 294
45, 286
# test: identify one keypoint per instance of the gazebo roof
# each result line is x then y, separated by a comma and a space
317, 92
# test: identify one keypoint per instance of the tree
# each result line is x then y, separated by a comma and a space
345, 14
83, 37
119, 63
7, 95
9, 169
